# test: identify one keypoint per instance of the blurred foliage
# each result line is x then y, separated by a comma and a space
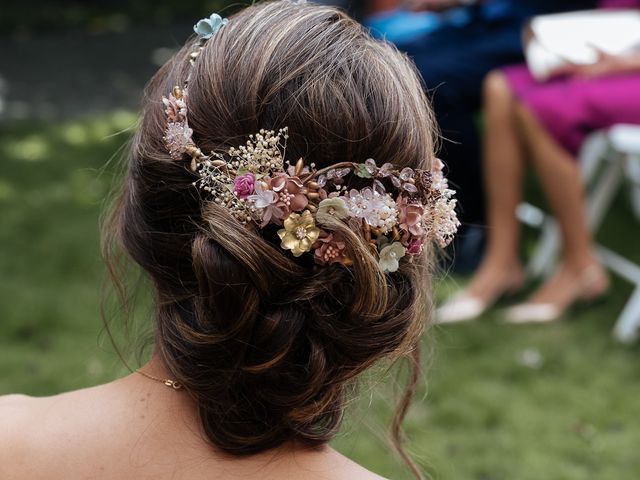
53, 184
499, 402
97, 16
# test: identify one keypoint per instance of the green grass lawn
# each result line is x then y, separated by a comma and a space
560, 401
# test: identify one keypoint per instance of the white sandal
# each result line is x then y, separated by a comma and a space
464, 307
592, 284
460, 308
533, 313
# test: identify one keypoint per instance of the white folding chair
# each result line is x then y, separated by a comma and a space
614, 155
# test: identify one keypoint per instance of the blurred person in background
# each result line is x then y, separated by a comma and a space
545, 122
453, 60
394, 21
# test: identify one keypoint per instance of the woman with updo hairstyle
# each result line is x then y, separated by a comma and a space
282, 197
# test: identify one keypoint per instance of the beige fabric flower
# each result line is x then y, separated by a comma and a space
299, 233
390, 256
331, 208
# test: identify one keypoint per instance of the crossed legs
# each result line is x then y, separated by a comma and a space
512, 136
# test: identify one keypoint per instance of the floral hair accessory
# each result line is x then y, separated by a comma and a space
395, 211
177, 135
390, 256
299, 233
207, 27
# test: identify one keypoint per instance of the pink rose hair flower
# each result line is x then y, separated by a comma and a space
244, 185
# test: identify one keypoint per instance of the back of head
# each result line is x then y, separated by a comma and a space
267, 343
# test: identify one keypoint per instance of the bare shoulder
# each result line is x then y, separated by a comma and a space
14, 412
24, 419
361, 473
27, 427
19, 414
350, 470
15, 427
12, 401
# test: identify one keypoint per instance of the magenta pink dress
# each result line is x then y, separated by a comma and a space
571, 108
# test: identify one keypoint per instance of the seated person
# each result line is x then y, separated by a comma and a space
453, 62
546, 122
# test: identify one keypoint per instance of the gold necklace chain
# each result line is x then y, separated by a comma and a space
168, 382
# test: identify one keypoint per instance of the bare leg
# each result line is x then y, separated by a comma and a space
560, 177
503, 166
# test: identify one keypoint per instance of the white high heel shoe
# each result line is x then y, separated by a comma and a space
592, 284
460, 308
533, 313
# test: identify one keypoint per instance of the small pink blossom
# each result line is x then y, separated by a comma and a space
243, 185
176, 108
289, 191
414, 246
329, 249
410, 217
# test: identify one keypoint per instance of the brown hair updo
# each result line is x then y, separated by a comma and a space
266, 343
